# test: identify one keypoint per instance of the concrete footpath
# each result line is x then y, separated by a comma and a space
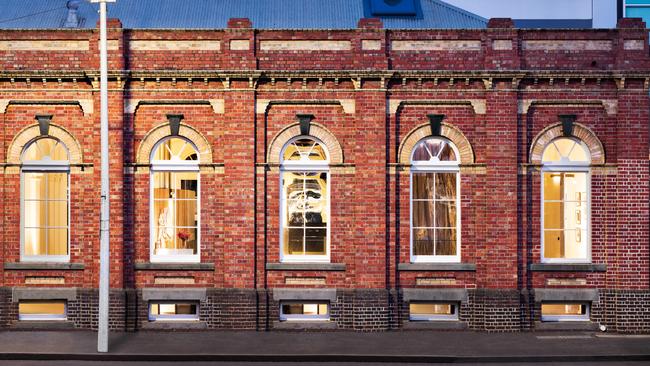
398, 346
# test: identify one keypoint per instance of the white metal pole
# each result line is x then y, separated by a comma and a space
104, 253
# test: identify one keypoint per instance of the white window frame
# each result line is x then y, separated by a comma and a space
305, 318
304, 166
567, 318
45, 317
567, 167
43, 166
166, 166
435, 317
436, 167
176, 317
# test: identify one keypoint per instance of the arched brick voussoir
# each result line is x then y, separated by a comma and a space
448, 131
31, 132
159, 132
316, 130
582, 132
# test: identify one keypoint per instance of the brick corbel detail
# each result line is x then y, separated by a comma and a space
554, 131
448, 131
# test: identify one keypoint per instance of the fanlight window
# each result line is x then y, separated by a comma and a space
45, 151
433, 150
565, 202
305, 201
435, 202
45, 201
304, 150
175, 202
175, 149
566, 151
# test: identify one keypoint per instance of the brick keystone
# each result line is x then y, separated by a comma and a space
370, 23
500, 23
630, 23
239, 23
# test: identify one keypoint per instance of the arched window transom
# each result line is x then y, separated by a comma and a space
45, 201
565, 201
305, 205
435, 201
175, 203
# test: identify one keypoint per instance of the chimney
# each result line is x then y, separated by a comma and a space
72, 20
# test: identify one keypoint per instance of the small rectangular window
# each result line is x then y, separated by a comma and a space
554, 312
426, 311
173, 311
304, 311
42, 310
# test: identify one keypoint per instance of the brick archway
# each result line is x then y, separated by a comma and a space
143, 155
580, 131
31, 132
316, 130
446, 130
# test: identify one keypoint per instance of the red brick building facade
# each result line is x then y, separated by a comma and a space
369, 96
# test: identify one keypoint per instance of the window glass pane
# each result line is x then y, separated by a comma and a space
431, 309
553, 183
186, 185
186, 213
293, 241
423, 241
162, 185
34, 185
423, 185
54, 308
45, 149
35, 241
35, 214
566, 150
57, 186
553, 244
315, 241
445, 241
185, 243
423, 213
553, 215
445, 214
564, 309
305, 311
167, 309
446, 186
433, 149
173, 311
292, 308
57, 241
185, 309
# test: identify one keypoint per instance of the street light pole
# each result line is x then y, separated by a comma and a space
104, 227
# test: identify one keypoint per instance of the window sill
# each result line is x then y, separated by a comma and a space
40, 266
44, 324
567, 267
174, 266
174, 324
296, 325
469, 267
305, 266
567, 325
435, 325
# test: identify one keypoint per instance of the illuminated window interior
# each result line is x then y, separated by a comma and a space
42, 310
434, 201
305, 186
173, 311
565, 312
425, 311
175, 194
565, 206
304, 311
45, 200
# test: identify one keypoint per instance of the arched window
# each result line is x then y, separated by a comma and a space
175, 204
305, 201
45, 201
565, 201
435, 201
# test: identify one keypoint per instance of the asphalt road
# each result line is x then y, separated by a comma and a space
95, 363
